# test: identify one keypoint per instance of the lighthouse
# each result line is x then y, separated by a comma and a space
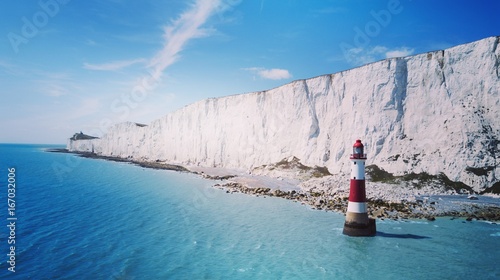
357, 222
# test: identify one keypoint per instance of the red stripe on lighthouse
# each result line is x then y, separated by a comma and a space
357, 191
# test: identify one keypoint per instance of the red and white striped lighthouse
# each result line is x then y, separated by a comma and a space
357, 222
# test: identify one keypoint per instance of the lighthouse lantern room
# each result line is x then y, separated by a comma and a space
358, 150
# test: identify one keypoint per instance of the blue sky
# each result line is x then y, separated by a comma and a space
68, 66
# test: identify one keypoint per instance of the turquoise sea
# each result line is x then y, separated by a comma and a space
78, 218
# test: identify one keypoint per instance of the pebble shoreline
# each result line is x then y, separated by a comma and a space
377, 208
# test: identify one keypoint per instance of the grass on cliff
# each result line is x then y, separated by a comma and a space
294, 163
419, 180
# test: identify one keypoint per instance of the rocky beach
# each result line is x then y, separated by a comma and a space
415, 199
424, 207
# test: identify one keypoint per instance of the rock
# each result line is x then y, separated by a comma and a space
319, 202
380, 213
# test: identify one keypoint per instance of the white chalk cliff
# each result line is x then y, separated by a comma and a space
437, 112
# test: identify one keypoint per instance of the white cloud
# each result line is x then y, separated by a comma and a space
176, 35
186, 27
404, 51
271, 74
275, 74
113, 66
55, 90
360, 56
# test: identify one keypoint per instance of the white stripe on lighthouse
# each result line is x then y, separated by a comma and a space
356, 207
358, 169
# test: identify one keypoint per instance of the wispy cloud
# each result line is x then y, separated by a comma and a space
90, 42
399, 52
359, 56
270, 74
55, 90
176, 35
186, 27
88, 106
113, 66
55, 84
10, 68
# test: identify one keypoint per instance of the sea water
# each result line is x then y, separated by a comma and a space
78, 218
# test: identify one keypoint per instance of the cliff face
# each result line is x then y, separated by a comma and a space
434, 112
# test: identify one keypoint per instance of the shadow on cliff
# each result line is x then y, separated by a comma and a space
404, 236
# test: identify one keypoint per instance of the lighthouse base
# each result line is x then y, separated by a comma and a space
360, 229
